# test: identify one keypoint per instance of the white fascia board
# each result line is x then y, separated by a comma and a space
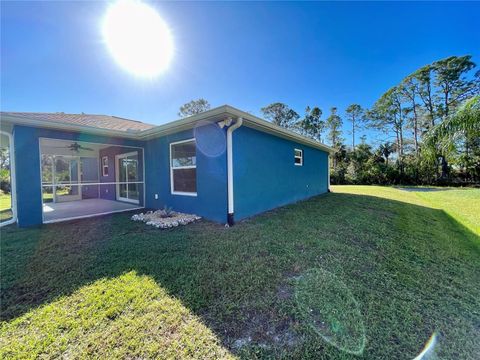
213, 115
219, 114
255, 122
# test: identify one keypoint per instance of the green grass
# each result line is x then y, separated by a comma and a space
5, 206
462, 204
304, 281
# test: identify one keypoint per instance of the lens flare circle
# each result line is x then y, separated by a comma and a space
329, 308
210, 139
138, 38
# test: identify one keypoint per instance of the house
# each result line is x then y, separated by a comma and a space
224, 165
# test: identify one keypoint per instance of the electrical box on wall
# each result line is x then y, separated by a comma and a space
156, 196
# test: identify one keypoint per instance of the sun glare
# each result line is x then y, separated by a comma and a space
138, 38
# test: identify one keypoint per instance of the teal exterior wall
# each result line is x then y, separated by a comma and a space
265, 175
211, 199
27, 167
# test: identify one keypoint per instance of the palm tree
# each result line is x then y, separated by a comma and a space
386, 150
465, 122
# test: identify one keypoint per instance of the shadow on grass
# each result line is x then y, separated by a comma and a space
412, 269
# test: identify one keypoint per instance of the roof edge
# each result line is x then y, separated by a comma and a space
221, 112
269, 127
213, 115
57, 125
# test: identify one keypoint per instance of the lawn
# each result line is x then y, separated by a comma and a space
363, 272
5, 206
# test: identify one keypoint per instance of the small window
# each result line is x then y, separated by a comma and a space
298, 157
183, 168
105, 166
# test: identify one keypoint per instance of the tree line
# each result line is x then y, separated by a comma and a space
430, 123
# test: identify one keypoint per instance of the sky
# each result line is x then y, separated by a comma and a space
247, 55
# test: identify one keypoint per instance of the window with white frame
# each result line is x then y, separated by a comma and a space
298, 157
105, 166
183, 167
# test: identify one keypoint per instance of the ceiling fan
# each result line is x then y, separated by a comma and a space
75, 147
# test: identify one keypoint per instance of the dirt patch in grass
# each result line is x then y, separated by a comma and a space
267, 330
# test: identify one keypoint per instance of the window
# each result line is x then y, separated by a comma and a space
183, 168
298, 157
105, 166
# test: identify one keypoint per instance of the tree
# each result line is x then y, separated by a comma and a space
193, 107
354, 114
388, 115
453, 87
281, 115
334, 125
465, 121
423, 76
5, 169
409, 89
452, 83
386, 150
311, 125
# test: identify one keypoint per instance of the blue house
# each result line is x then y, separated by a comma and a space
224, 165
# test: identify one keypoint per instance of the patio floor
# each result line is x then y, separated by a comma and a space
53, 212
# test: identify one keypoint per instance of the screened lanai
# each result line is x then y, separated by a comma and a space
82, 179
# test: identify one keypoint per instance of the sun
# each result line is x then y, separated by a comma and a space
138, 38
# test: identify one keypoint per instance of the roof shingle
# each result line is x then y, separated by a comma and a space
98, 121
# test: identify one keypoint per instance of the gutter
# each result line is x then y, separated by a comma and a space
230, 199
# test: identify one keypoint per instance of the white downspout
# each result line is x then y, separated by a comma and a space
231, 207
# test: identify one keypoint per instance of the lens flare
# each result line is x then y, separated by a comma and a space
210, 139
329, 308
138, 38
428, 351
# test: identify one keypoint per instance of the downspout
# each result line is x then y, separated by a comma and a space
230, 130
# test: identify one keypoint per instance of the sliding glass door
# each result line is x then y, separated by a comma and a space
127, 177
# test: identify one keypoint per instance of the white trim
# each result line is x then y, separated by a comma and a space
95, 183
184, 193
295, 157
172, 191
91, 215
13, 184
224, 112
118, 183
230, 130
104, 166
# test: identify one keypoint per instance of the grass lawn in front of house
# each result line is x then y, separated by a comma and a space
363, 272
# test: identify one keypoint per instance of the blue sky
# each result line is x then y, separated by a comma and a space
243, 54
